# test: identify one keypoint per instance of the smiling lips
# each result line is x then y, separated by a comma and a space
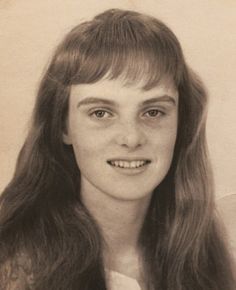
128, 164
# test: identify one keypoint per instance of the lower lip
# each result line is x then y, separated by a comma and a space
130, 171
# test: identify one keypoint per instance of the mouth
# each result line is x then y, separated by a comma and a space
129, 164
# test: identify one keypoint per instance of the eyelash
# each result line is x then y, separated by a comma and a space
96, 113
158, 113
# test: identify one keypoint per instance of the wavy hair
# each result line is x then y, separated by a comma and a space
44, 227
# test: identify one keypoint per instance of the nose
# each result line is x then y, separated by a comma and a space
131, 136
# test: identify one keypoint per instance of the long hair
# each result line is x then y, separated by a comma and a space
43, 224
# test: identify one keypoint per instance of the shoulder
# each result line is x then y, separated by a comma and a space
16, 273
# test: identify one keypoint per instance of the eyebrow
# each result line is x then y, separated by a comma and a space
95, 100
164, 98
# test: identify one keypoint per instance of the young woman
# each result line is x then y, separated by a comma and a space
113, 187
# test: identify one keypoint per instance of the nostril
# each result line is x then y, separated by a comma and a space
132, 139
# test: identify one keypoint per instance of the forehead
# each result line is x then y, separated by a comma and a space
120, 92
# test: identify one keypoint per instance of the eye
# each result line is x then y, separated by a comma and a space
101, 114
153, 113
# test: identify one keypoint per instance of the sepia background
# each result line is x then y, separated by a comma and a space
30, 29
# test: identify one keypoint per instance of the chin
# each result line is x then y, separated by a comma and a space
130, 193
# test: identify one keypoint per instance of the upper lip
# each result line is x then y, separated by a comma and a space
129, 159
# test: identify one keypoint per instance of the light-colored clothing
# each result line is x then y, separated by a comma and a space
16, 277
118, 281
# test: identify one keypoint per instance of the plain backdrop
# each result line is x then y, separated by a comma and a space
30, 29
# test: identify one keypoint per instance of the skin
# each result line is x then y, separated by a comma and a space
107, 121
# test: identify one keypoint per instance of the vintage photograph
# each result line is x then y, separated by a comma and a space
118, 145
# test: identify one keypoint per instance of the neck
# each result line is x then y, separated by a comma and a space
119, 220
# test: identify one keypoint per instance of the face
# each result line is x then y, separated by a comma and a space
123, 137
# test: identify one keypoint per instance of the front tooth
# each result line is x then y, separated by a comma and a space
133, 164
126, 164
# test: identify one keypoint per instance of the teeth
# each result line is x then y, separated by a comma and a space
133, 164
128, 164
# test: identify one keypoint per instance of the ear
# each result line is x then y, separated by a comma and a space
66, 138
66, 134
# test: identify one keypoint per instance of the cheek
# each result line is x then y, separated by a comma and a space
85, 158
169, 139
87, 148
164, 144
165, 135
